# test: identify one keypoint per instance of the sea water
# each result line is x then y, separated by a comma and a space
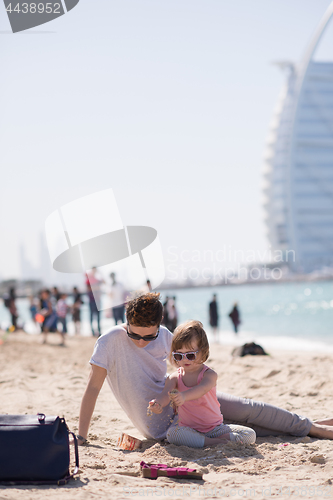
276, 315
296, 316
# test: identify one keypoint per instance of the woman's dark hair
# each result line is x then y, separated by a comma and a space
144, 310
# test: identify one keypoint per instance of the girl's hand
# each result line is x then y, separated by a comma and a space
177, 398
155, 406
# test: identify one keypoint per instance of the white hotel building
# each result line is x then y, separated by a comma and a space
298, 168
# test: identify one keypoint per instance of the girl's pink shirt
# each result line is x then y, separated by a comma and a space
202, 414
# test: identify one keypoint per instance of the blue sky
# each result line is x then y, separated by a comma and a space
166, 102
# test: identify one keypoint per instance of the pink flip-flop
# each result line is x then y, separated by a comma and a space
152, 471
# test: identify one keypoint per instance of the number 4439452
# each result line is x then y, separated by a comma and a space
35, 8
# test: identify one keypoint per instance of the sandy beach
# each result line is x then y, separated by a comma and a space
51, 379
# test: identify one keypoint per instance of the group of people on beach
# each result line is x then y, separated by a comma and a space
53, 310
49, 311
183, 407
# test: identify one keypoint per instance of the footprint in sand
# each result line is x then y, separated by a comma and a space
273, 373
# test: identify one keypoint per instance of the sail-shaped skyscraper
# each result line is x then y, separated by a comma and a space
298, 169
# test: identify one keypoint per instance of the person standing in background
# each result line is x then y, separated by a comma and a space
94, 292
94, 284
55, 296
62, 309
76, 310
235, 317
33, 310
117, 294
165, 318
172, 314
214, 316
9, 302
93, 312
50, 316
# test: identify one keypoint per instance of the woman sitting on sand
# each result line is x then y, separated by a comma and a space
200, 419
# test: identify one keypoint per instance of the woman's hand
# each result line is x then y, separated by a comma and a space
155, 406
177, 398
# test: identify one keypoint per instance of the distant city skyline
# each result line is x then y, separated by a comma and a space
44, 271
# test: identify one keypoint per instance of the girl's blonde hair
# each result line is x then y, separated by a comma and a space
183, 336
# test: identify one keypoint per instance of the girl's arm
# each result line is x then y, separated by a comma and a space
208, 381
157, 405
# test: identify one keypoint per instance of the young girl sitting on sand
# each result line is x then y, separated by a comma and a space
192, 389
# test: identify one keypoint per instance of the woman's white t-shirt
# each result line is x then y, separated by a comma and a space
136, 376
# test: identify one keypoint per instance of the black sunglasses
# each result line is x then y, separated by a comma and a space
191, 356
146, 338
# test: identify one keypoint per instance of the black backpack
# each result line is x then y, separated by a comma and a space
251, 348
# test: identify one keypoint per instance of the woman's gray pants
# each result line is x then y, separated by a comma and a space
265, 419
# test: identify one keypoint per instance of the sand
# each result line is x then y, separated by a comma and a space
51, 379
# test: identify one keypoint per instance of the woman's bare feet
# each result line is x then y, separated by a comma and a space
322, 431
327, 421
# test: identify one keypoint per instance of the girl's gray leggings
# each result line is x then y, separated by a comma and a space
185, 436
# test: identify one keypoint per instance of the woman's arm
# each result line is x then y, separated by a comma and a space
208, 381
95, 382
157, 405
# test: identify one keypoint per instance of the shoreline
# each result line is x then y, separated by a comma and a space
227, 338
295, 279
